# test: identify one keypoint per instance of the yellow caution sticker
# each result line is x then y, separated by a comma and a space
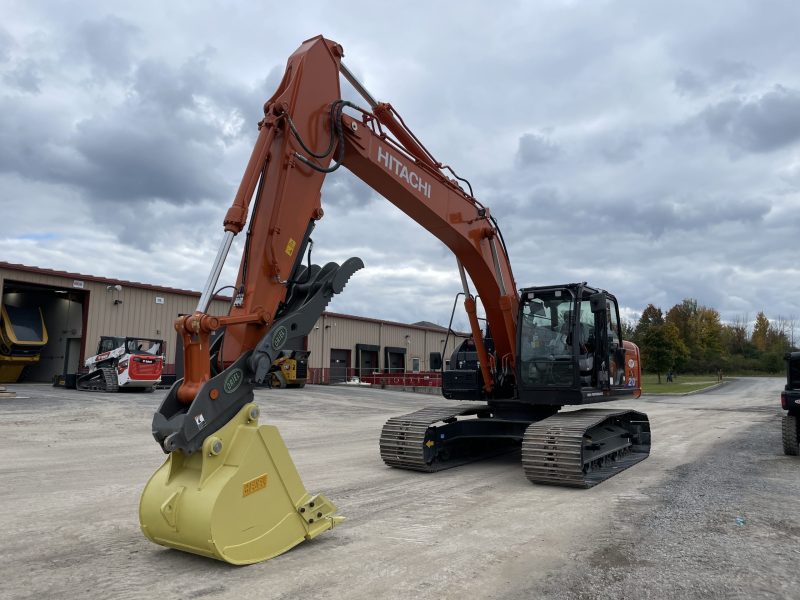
254, 485
429, 443
290, 247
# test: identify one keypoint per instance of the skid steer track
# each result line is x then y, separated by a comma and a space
425, 440
102, 380
585, 447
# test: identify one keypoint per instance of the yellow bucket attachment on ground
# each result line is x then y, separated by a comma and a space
240, 499
11, 367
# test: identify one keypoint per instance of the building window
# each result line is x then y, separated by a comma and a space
415, 365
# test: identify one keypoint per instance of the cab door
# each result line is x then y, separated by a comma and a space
609, 354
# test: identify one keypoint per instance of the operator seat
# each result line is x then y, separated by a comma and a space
585, 353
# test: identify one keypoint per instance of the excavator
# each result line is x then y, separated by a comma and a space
228, 488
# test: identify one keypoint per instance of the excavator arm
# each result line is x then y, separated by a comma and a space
303, 132
304, 135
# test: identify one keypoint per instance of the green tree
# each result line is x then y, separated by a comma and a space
684, 317
709, 337
760, 332
628, 329
657, 351
651, 316
679, 350
734, 336
778, 336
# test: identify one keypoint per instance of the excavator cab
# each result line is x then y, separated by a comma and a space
570, 349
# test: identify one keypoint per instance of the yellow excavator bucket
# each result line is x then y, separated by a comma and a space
240, 499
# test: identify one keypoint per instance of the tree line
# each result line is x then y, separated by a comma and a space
691, 338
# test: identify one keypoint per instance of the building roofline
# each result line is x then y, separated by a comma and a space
171, 290
105, 280
436, 328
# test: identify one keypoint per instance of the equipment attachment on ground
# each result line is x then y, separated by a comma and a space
240, 499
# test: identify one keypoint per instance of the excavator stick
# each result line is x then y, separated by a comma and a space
240, 499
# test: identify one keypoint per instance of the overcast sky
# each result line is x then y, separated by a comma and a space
649, 148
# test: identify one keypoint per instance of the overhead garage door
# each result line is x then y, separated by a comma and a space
340, 360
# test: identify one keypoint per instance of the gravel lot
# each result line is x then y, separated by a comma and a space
711, 514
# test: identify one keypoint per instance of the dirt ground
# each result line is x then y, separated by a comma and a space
712, 513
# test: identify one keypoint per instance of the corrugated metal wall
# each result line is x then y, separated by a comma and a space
139, 314
344, 333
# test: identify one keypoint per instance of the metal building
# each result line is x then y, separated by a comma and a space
343, 346
77, 309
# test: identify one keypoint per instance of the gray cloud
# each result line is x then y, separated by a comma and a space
690, 82
760, 124
698, 82
19, 70
150, 162
621, 147
344, 191
6, 44
109, 44
535, 148
24, 76
167, 89
698, 213
165, 139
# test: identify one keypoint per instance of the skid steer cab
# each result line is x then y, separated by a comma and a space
123, 363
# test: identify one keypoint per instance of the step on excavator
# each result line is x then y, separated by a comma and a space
228, 488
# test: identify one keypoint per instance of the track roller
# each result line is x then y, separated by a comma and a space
103, 379
441, 437
585, 447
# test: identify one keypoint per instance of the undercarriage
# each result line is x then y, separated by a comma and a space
577, 448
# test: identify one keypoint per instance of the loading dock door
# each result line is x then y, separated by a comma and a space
395, 359
367, 359
340, 360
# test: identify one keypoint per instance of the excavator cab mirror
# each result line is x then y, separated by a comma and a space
435, 361
598, 302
